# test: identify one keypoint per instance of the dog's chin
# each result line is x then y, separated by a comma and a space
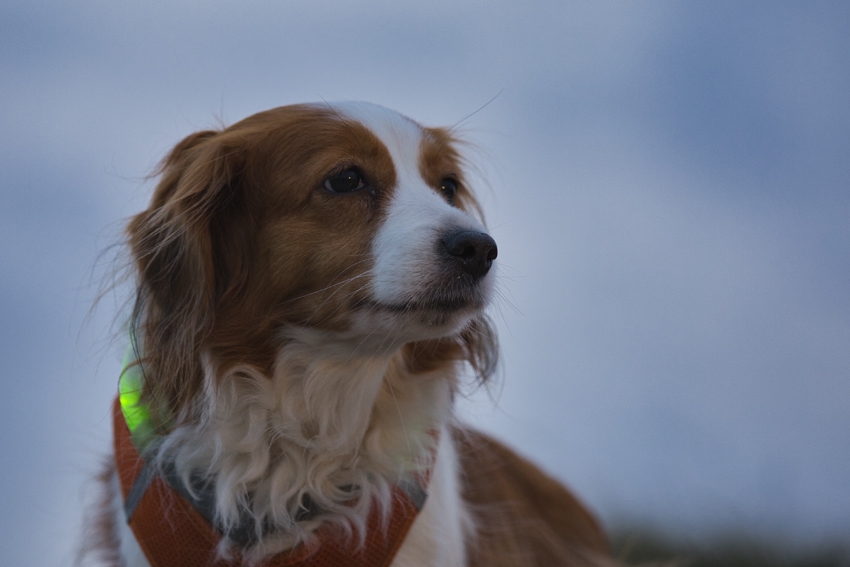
416, 319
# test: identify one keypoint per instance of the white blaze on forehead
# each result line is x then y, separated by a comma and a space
400, 134
406, 245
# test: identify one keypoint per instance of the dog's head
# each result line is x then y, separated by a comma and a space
350, 223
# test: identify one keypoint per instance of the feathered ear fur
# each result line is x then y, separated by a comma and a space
183, 246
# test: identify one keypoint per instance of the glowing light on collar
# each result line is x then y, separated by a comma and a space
136, 413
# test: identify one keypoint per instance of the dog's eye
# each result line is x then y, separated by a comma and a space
346, 181
448, 187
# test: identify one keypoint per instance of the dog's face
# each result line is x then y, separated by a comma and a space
365, 238
349, 222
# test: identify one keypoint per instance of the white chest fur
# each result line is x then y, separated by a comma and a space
438, 535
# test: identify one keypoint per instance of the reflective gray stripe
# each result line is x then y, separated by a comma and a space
415, 492
201, 495
140, 486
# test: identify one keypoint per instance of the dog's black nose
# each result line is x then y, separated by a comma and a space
474, 251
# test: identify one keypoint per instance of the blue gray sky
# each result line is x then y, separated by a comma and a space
668, 182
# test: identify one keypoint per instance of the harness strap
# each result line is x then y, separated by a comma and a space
172, 533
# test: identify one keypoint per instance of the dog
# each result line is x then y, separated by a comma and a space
311, 285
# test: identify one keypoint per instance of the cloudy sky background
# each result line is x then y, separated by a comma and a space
669, 185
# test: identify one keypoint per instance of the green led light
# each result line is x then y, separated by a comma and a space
136, 413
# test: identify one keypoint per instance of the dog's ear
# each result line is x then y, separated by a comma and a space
183, 270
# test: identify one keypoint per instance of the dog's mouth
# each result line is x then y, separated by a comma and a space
432, 306
444, 309
448, 302
446, 316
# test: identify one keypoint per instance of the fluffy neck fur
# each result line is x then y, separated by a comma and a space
330, 424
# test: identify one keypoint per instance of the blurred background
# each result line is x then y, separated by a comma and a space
669, 185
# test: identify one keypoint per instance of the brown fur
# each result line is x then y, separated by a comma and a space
524, 516
439, 159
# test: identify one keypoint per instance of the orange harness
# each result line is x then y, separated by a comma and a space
172, 533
